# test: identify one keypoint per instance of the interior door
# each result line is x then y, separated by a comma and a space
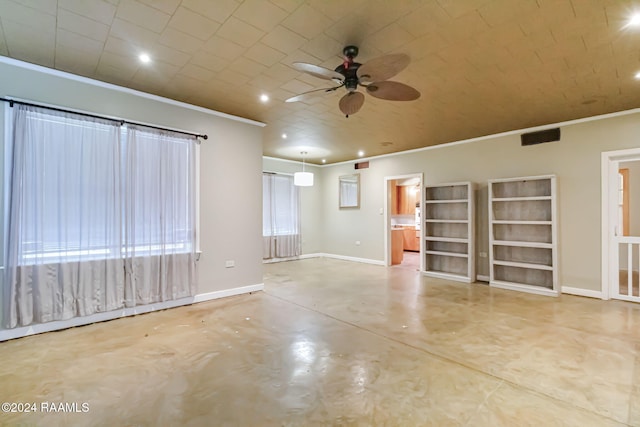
626, 239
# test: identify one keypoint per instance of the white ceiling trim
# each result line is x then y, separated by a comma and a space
496, 135
297, 162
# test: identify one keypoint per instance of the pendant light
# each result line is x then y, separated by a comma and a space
303, 179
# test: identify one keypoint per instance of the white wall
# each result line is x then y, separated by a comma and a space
310, 201
575, 160
230, 172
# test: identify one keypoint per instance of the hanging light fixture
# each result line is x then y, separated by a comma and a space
303, 179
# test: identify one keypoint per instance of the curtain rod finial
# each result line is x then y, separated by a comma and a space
205, 137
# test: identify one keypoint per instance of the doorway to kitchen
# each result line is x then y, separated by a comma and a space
402, 221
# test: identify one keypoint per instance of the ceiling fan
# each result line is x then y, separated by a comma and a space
372, 75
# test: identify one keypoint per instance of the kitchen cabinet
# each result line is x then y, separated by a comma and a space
407, 196
411, 239
394, 199
397, 246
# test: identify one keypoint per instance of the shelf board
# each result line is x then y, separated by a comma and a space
449, 276
520, 222
448, 221
449, 185
523, 265
446, 239
446, 201
540, 290
453, 254
520, 199
523, 244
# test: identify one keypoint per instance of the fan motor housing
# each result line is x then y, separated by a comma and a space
350, 51
349, 73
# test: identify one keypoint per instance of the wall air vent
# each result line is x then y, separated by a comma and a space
362, 165
539, 137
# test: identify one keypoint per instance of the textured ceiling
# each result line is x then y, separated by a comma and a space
482, 66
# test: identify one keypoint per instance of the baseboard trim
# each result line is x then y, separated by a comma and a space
354, 259
293, 258
334, 256
9, 334
276, 260
582, 292
228, 293
481, 278
323, 255
308, 256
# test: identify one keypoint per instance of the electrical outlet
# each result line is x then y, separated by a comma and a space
229, 263
357, 242
483, 254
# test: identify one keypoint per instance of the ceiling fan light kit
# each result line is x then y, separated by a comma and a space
372, 75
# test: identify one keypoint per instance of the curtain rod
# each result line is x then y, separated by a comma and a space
95, 116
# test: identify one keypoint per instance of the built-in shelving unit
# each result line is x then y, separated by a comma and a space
448, 213
522, 234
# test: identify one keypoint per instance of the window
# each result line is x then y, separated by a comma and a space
89, 188
159, 202
280, 205
100, 216
280, 217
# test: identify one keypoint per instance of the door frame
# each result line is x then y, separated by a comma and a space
387, 216
610, 163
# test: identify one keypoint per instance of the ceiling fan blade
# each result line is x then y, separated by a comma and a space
392, 91
310, 93
317, 71
351, 103
383, 68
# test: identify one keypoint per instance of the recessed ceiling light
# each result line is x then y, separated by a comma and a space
634, 21
144, 58
284, 136
360, 153
637, 76
324, 160
264, 97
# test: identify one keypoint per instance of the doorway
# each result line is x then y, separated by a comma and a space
402, 221
620, 227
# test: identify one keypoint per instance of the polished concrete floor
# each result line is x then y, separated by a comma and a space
410, 260
335, 343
